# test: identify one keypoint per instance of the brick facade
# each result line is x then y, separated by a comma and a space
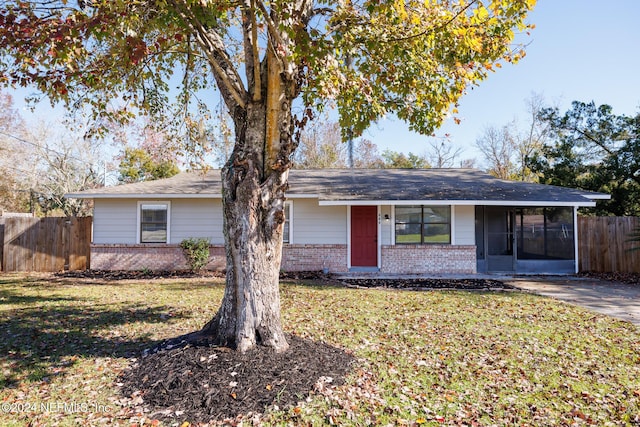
148, 257
314, 258
398, 259
428, 259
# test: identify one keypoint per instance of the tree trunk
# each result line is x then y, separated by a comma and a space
254, 181
254, 218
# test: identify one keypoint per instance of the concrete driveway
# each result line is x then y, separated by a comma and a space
612, 298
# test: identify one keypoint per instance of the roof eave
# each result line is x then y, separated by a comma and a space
515, 203
142, 196
598, 196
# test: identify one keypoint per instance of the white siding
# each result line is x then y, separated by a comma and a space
114, 221
321, 225
464, 224
386, 225
196, 218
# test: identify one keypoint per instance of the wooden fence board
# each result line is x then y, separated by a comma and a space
80, 244
46, 244
604, 246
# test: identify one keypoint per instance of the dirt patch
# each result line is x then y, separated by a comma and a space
205, 384
461, 284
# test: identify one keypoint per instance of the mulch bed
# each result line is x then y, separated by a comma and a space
209, 384
114, 275
628, 278
461, 284
396, 283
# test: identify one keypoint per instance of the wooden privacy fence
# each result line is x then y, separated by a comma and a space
604, 246
45, 244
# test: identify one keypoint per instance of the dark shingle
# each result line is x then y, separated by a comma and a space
349, 185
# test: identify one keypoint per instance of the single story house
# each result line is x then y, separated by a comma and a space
391, 221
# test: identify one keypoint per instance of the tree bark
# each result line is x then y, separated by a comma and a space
254, 181
254, 178
253, 225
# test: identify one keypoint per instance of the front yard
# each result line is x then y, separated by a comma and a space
422, 358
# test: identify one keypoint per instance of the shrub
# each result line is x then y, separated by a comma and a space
196, 251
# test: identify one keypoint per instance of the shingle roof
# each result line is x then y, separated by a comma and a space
351, 186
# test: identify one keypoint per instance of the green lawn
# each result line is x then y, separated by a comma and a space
425, 358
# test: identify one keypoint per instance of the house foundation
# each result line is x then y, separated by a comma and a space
395, 259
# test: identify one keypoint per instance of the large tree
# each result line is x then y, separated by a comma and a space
592, 148
367, 58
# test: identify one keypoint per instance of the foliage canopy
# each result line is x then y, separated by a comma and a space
594, 149
369, 58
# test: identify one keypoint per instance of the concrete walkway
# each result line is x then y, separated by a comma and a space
612, 298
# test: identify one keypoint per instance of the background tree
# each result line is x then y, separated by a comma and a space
14, 165
498, 147
146, 151
366, 155
411, 59
137, 165
532, 137
64, 164
443, 154
593, 149
396, 160
506, 149
321, 146
39, 167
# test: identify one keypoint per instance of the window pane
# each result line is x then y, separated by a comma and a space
154, 213
436, 233
545, 233
559, 233
530, 233
439, 214
153, 224
408, 233
408, 214
154, 233
423, 224
287, 219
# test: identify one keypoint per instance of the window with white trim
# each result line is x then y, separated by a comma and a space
154, 222
286, 232
423, 225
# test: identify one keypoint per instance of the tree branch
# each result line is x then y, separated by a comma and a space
278, 42
224, 71
251, 49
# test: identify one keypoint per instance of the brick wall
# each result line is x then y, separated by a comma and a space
148, 256
314, 258
169, 257
399, 259
428, 259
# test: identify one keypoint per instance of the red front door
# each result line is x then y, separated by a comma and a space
364, 236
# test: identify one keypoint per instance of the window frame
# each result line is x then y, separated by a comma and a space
422, 224
140, 206
288, 221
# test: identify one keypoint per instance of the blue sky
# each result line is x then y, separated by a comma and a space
583, 50
580, 50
